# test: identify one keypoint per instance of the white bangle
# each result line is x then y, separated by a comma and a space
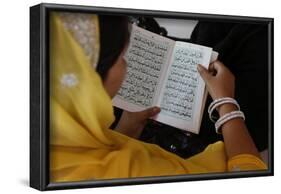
227, 117
218, 102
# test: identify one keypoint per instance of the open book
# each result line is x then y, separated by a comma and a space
163, 72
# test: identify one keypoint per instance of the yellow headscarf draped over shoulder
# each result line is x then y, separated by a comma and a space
82, 147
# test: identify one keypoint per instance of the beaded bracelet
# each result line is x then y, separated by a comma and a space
218, 102
228, 116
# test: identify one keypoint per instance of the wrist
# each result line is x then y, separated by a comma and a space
226, 108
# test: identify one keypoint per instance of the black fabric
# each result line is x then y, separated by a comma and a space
114, 36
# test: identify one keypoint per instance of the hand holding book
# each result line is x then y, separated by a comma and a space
219, 80
132, 123
220, 83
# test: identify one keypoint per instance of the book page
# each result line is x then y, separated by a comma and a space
183, 91
214, 57
147, 62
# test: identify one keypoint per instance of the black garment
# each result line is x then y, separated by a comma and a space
243, 48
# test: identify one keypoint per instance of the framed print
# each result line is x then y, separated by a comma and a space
126, 96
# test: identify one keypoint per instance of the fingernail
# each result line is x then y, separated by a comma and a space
156, 109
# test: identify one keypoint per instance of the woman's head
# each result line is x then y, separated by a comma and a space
114, 38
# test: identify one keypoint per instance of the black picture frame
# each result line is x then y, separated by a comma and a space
39, 96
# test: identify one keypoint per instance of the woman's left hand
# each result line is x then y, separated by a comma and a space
132, 123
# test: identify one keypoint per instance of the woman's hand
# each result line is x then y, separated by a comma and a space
219, 80
132, 123
220, 83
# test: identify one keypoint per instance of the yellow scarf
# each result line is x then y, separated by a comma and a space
82, 147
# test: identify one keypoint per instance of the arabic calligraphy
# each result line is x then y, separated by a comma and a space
180, 91
145, 58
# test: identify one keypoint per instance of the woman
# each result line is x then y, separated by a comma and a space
82, 147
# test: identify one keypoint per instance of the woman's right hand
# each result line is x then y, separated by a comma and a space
219, 80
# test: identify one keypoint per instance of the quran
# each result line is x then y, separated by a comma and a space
163, 72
